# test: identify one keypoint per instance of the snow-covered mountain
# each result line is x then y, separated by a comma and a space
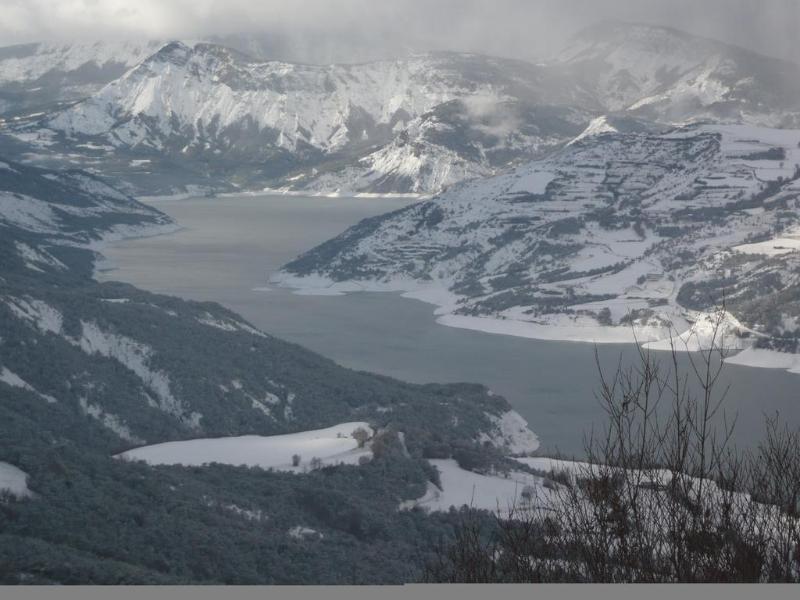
37, 76
457, 140
670, 75
206, 102
207, 95
615, 229
208, 115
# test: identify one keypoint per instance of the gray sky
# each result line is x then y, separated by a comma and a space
327, 30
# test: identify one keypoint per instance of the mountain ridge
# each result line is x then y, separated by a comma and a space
417, 124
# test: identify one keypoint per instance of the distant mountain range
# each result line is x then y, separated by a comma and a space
205, 114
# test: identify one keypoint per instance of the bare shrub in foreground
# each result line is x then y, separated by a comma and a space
663, 496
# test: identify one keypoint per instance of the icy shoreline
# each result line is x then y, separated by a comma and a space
688, 338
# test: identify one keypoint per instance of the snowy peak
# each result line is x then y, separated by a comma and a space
36, 76
30, 62
610, 38
415, 124
206, 101
664, 73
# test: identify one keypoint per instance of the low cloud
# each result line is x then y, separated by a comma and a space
325, 30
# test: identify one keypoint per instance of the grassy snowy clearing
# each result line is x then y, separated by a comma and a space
332, 446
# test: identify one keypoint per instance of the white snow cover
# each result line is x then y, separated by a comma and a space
38, 313
596, 127
488, 492
789, 242
229, 325
678, 76
766, 359
630, 268
301, 533
110, 421
65, 58
427, 167
511, 434
31, 256
333, 446
498, 493
136, 357
10, 378
14, 481
718, 328
304, 104
27, 213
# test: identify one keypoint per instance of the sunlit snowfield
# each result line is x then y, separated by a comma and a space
230, 246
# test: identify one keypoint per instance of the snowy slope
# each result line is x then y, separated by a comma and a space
34, 61
13, 481
495, 493
458, 140
36, 76
204, 92
413, 124
203, 114
670, 75
333, 445
615, 229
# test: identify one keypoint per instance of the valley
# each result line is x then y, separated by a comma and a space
230, 247
264, 321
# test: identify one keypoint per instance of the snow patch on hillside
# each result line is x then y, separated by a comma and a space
303, 533
459, 487
14, 481
10, 378
332, 446
229, 325
717, 329
136, 357
67, 58
511, 434
32, 256
37, 313
595, 127
27, 213
110, 421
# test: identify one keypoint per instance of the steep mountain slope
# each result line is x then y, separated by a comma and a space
88, 370
212, 95
208, 116
219, 113
669, 75
457, 140
39, 76
616, 229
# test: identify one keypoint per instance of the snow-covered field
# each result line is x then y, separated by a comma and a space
14, 481
766, 359
486, 492
333, 446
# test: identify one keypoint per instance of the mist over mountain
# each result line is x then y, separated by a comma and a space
417, 124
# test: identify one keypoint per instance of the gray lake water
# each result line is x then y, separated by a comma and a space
231, 245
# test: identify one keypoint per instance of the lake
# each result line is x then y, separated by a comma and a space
231, 245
